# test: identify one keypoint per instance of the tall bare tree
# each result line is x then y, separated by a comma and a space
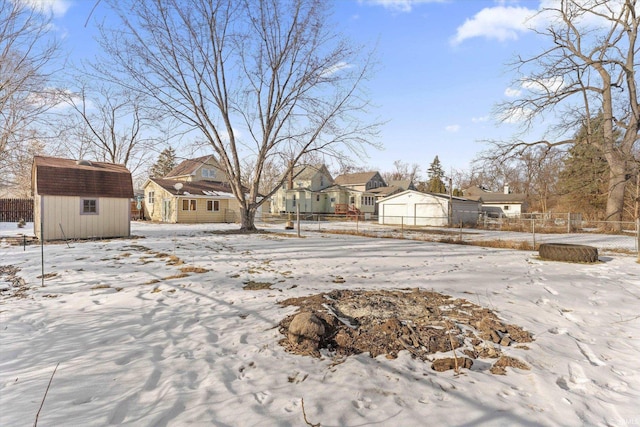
254, 78
403, 172
111, 124
589, 68
26, 52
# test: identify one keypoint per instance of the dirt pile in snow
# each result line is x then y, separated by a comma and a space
450, 333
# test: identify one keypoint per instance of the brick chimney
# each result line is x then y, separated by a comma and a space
506, 189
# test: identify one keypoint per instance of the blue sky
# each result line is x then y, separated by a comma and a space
442, 68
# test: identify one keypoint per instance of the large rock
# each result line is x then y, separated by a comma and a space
306, 331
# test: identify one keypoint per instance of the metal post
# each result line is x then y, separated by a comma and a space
402, 225
638, 238
42, 239
298, 217
533, 231
569, 222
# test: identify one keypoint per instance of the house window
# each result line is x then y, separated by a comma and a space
367, 200
300, 184
294, 200
89, 207
352, 200
151, 197
208, 173
317, 197
213, 205
189, 205
505, 208
333, 199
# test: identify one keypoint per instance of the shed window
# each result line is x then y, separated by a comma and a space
151, 197
188, 204
505, 208
213, 205
89, 206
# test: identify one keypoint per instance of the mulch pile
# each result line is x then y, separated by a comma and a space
450, 333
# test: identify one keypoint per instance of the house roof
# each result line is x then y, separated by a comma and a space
386, 191
66, 177
195, 188
480, 194
188, 167
355, 178
309, 171
404, 184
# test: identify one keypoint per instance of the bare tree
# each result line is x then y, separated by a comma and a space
402, 172
26, 50
589, 68
111, 124
257, 79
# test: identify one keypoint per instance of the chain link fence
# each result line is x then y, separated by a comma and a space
523, 232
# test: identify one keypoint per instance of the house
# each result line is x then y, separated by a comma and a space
195, 191
80, 199
302, 190
498, 204
412, 207
311, 189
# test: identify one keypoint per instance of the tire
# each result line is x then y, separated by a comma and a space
568, 252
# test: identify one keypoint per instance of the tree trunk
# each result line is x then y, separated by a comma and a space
247, 218
615, 201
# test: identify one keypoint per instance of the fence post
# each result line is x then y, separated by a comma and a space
569, 222
638, 238
533, 231
402, 226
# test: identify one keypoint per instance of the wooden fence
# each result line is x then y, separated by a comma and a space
137, 214
13, 210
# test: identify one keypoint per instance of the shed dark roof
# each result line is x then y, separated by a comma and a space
188, 166
66, 177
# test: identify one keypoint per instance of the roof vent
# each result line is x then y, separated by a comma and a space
83, 162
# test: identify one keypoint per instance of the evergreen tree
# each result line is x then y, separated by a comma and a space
585, 178
583, 181
166, 161
435, 174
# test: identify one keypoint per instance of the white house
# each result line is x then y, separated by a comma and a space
498, 204
412, 207
79, 199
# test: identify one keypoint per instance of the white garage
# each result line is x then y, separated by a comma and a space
415, 208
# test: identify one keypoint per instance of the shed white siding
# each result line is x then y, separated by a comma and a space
62, 218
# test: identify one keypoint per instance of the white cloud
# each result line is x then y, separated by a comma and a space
500, 23
512, 93
335, 68
480, 119
56, 7
516, 115
548, 85
452, 128
399, 5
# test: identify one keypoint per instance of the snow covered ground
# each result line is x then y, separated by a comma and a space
141, 343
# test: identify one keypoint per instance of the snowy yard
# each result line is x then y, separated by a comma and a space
158, 331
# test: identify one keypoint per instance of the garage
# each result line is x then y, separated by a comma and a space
427, 209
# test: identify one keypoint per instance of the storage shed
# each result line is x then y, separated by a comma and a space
79, 199
427, 209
